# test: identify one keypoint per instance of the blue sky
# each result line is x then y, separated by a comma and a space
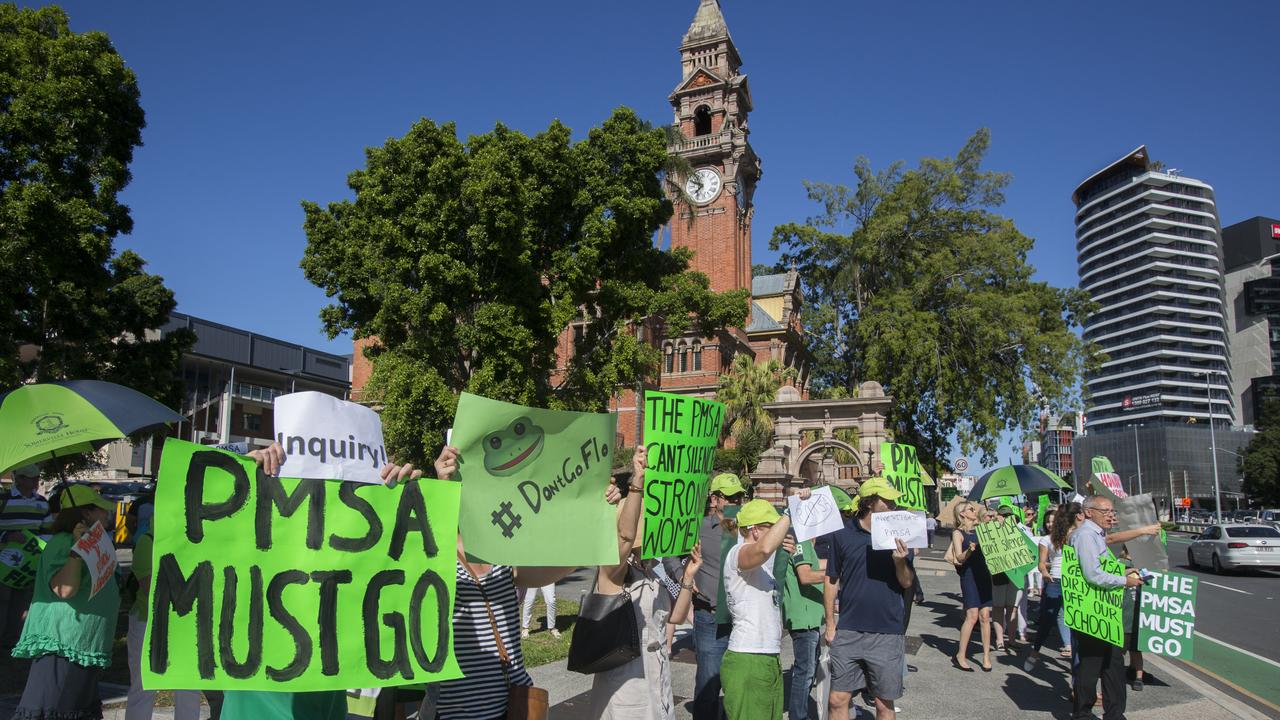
253, 107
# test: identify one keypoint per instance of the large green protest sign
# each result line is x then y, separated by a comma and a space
680, 433
1094, 611
265, 583
902, 470
1167, 615
533, 484
1006, 549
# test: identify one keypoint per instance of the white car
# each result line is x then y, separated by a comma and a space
1229, 547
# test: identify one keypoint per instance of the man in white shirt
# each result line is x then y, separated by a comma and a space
750, 672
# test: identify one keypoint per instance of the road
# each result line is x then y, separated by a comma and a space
1237, 633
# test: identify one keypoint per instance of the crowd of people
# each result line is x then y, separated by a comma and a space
844, 605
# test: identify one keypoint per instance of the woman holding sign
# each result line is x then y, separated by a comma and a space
975, 584
69, 630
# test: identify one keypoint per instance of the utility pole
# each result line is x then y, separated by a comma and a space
1213, 443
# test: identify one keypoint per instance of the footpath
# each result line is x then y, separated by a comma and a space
937, 691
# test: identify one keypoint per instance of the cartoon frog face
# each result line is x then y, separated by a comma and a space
507, 450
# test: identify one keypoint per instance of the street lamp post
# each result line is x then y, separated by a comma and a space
1138, 454
1217, 493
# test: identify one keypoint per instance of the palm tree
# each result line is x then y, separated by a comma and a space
744, 391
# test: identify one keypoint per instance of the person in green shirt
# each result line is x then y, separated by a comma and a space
68, 634
802, 574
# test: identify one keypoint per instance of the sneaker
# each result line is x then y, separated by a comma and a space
555, 633
1030, 663
1136, 685
524, 633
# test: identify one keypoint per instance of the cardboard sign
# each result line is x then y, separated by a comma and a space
533, 484
902, 470
888, 527
99, 555
1167, 615
19, 560
681, 433
280, 584
328, 438
816, 516
1005, 547
1094, 611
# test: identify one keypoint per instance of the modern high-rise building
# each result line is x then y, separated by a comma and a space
1251, 249
1149, 253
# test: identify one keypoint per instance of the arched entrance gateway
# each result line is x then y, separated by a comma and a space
806, 449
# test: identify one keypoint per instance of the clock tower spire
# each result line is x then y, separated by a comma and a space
713, 214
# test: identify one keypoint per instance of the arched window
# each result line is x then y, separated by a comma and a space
702, 121
684, 358
697, 356
670, 359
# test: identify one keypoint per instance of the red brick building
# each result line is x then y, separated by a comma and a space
712, 217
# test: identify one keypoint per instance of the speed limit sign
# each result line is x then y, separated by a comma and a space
961, 464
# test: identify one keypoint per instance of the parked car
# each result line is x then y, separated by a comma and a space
1271, 517
1230, 547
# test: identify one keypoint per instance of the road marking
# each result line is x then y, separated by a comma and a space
1224, 587
1242, 651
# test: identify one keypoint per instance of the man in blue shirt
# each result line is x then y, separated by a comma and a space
869, 641
1095, 658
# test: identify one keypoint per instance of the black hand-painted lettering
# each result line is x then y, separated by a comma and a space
301, 638
174, 592
429, 581
197, 510
227, 628
411, 516
328, 616
399, 662
271, 492
347, 494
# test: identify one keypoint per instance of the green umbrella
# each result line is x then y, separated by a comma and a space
49, 420
1016, 480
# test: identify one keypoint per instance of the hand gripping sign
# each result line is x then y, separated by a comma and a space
681, 433
266, 583
533, 484
99, 555
327, 438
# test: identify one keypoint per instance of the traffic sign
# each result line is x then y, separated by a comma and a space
961, 464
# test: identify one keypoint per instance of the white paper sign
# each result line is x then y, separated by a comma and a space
909, 527
329, 439
816, 516
99, 555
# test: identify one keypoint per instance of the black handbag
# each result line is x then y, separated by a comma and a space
606, 635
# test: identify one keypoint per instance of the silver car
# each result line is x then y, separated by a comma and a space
1229, 547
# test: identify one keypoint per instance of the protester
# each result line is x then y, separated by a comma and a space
975, 584
141, 703
526, 610
1059, 523
1129, 619
803, 575
21, 508
751, 673
868, 643
930, 527
1094, 658
1004, 594
711, 639
68, 635
641, 688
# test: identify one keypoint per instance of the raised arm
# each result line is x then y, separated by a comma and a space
680, 610
1124, 536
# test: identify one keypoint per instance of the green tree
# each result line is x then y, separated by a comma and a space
1260, 465
466, 261
70, 305
744, 390
912, 280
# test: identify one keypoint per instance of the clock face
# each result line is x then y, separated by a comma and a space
703, 185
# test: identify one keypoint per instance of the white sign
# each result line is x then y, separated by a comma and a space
816, 516
99, 556
961, 464
888, 527
1112, 481
329, 439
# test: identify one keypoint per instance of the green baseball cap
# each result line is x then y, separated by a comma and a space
74, 496
757, 512
878, 486
727, 484
843, 501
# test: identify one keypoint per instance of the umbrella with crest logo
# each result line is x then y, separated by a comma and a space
1016, 480
59, 419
